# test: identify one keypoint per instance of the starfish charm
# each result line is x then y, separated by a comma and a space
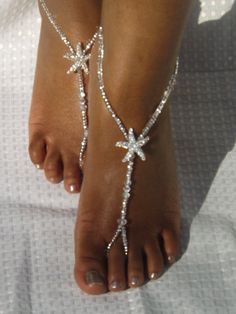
134, 146
80, 58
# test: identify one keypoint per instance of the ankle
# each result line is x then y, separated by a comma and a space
135, 99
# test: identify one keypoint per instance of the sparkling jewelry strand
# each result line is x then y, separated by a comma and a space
56, 27
79, 56
84, 114
102, 87
133, 145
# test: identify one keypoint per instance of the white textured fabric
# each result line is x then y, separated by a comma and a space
37, 219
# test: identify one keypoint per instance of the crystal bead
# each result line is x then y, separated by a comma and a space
126, 194
127, 189
122, 222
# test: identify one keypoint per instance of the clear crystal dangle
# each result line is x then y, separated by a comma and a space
133, 145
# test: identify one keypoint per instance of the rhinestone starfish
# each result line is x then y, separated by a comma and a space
80, 59
134, 146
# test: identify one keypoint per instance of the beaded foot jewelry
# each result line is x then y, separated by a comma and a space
79, 56
132, 143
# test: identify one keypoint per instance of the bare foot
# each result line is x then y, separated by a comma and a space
137, 68
55, 126
154, 211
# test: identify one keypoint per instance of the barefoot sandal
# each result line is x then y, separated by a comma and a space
79, 56
132, 143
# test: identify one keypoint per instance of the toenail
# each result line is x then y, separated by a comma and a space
171, 259
135, 282
72, 188
38, 166
115, 285
154, 276
94, 278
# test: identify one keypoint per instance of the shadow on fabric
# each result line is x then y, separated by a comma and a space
204, 108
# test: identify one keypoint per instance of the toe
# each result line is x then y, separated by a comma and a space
154, 258
72, 174
90, 271
53, 166
171, 245
116, 269
135, 267
37, 151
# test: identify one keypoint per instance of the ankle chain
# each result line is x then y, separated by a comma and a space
132, 144
79, 56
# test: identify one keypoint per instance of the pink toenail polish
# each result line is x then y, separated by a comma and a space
171, 259
134, 282
94, 278
115, 285
154, 276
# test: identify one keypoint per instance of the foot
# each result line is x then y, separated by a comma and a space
55, 124
154, 210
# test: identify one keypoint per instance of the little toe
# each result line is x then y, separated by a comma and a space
89, 271
116, 269
154, 258
72, 175
37, 151
135, 267
53, 166
171, 245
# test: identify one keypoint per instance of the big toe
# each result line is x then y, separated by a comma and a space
90, 266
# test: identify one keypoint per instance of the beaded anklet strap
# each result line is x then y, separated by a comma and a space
79, 57
133, 145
